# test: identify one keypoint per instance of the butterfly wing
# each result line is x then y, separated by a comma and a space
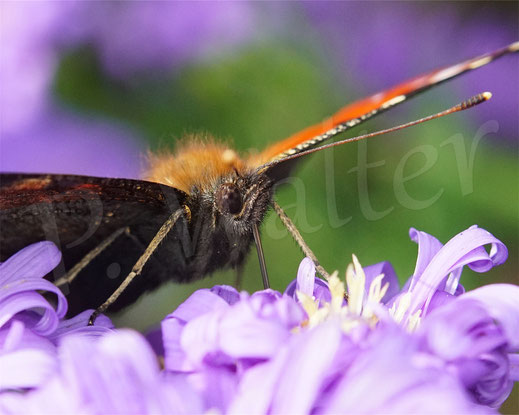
78, 213
364, 109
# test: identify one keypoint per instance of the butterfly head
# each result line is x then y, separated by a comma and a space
242, 200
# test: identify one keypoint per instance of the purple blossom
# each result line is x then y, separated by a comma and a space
384, 350
162, 36
79, 146
30, 327
33, 37
473, 335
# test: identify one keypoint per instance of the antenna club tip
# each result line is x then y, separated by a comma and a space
486, 95
514, 47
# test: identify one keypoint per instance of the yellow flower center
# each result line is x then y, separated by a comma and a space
363, 306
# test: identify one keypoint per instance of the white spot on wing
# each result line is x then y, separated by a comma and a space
394, 101
480, 62
447, 73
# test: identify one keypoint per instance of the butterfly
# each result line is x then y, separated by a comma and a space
197, 211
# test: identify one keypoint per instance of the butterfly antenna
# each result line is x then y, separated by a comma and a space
261, 257
469, 103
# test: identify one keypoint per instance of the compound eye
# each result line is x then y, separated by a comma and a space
228, 199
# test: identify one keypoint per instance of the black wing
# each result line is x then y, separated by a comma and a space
78, 213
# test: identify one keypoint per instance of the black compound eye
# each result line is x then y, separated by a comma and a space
228, 199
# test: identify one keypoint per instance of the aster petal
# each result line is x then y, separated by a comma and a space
392, 355
299, 367
217, 385
465, 248
228, 293
243, 335
373, 271
285, 310
174, 355
26, 359
44, 324
200, 302
308, 283
117, 373
79, 325
306, 368
513, 358
196, 309
306, 277
34, 261
257, 386
428, 247
21, 276
200, 336
463, 329
90, 368
502, 304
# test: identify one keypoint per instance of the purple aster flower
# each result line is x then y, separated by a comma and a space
35, 135
456, 357
30, 327
234, 352
162, 35
28, 61
473, 335
138, 37
76, 143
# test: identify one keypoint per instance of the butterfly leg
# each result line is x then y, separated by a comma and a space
139, 265
89, 257
299, 239
238, 280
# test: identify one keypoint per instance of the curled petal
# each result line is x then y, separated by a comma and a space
428, 247
463, 329
465, 248
502, 304
21, 276
34, 261
44, 322
494, 386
